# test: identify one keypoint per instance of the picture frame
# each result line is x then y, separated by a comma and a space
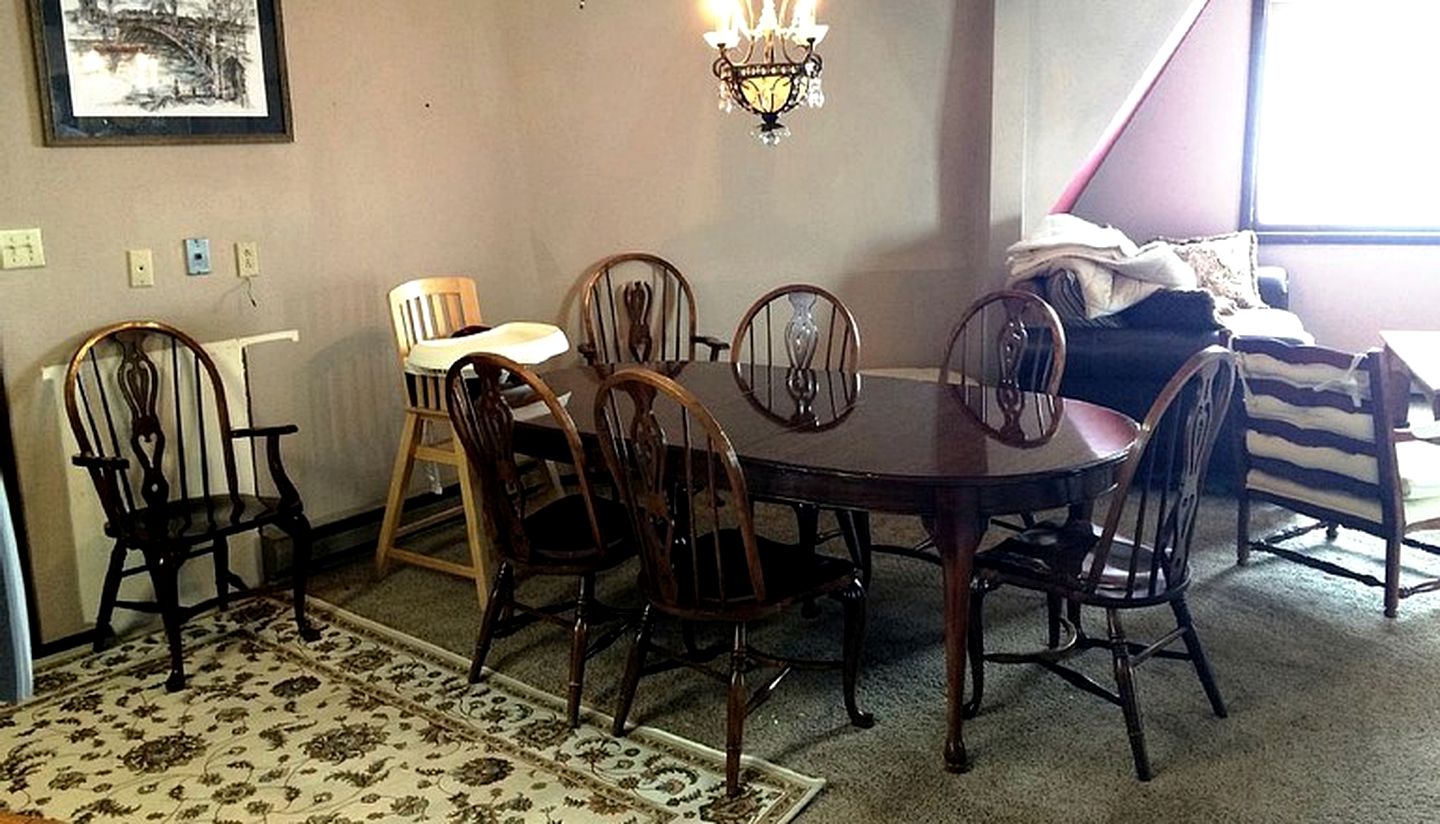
137, 72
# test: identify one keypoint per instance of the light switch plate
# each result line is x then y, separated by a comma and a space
247, 259
142, 268
21, 249
197, 256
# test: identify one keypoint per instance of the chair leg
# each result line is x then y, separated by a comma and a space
855, 527
410, 437
164, 571
109, 592
1242, 528
1392, 575
221, 558
501, 593
481, 557
1052, 619
1072, 611
1197, 656
577, 648
1332, 531
975, 642
1129, 700
735, 714
633, 664
853, 598
298, 528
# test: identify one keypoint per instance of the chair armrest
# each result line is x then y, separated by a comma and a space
289, 495
1274, 283
100, 462
587, 350
716, 345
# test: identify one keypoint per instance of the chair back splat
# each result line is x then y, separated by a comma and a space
678, 473
637, 308
797, 326
990, 344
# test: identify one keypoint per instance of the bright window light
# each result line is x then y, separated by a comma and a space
1344, 118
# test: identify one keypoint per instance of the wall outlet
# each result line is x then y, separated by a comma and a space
247, 259
21, 249
142, 268
197, 256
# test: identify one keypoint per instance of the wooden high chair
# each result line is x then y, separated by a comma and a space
425, 309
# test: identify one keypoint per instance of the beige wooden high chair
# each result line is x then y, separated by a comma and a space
425, 309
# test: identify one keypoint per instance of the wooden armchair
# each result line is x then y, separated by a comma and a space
1317, 436
638, 308
148, 410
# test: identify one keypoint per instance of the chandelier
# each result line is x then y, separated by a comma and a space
764, 67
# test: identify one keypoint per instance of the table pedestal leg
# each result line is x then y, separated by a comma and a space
958, 528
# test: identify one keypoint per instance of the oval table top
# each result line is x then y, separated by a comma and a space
889, 443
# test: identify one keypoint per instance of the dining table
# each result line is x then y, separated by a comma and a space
955, 455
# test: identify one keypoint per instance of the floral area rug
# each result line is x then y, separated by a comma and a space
363, 725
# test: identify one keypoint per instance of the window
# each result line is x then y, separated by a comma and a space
1343, 139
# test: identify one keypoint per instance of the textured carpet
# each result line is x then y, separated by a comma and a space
1334, 714
360, 725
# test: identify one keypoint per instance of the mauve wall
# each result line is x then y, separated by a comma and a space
1176, 172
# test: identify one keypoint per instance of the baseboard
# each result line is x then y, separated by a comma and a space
346, 539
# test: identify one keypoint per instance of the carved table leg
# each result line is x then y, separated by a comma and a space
958, 529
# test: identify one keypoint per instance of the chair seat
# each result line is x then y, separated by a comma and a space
193, 520
560, 540
1058, 557
791, 574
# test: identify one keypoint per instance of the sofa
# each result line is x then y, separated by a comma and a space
1124, 366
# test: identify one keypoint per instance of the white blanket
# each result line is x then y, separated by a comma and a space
1114, 274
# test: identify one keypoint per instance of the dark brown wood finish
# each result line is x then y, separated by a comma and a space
905, 447
147, 407
989, 344
811, 334
1154, 508
577, 535
636, 307
701, 560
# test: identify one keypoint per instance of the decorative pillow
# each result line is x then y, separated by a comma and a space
1225, 267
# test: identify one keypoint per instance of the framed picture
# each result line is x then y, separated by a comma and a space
161, 71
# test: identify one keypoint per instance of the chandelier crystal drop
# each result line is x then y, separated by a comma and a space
764, 67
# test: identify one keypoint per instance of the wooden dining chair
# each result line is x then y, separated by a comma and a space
1138, 556
637, 308
991, 344
1318, 437
426, 309
701, 560
147, 406
801, 331
577, 535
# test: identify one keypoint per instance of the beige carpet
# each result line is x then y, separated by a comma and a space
1334, 710
360, 725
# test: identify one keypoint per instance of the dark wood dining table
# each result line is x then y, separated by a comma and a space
956, 455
